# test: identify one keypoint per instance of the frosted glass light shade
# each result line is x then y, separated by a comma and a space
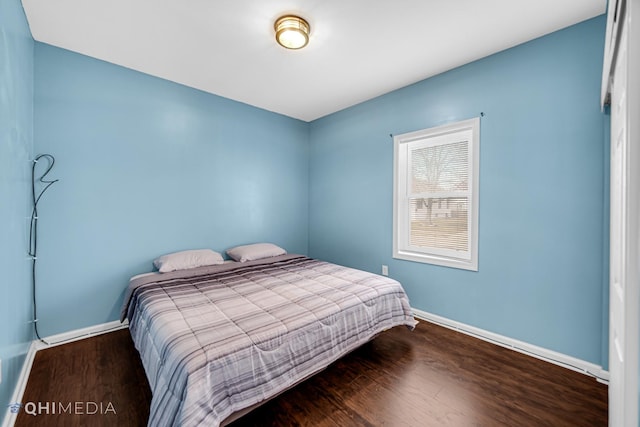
292, 32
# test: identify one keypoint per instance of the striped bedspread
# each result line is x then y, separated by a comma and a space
214, 340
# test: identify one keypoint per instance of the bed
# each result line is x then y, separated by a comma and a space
216, 340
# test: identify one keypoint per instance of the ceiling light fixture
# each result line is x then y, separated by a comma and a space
292, 32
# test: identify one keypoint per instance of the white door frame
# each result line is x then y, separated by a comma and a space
621, 84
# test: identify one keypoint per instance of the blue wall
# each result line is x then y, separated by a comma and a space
542, 223
16, 151
147, 167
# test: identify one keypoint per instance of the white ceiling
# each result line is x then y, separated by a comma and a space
359, 49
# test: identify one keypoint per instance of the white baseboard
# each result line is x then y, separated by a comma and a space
79, 334
53, 340
21, 384
541, 353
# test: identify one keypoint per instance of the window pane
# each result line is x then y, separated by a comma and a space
439, 168
439, 223
435, 196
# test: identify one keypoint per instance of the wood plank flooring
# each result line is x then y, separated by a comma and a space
429, 377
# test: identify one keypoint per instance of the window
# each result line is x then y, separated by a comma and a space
435, 212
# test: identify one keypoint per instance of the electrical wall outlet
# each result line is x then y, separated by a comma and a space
385, 270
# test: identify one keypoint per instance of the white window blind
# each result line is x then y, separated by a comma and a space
435, 195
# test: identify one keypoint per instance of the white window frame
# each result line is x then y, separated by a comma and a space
470, 131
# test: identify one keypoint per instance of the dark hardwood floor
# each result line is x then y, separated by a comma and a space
429, 377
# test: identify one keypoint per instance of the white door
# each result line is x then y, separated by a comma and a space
617, 240
623, 280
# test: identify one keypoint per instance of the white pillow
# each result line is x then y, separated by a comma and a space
255, 251
187, 259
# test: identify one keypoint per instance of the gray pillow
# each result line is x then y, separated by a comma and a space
255, 251
187, 259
